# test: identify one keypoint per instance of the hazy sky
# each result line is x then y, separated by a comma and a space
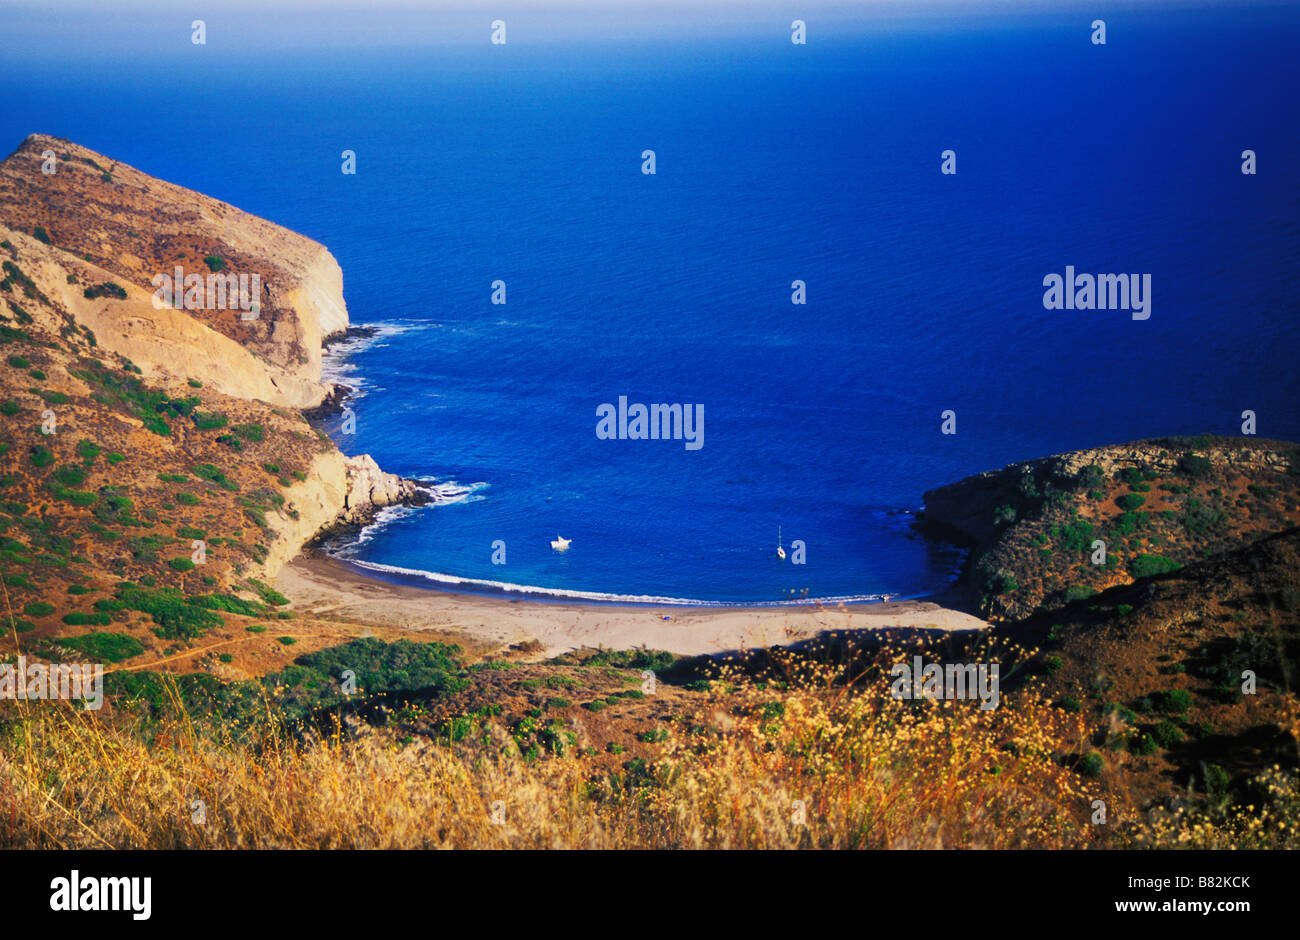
34, 29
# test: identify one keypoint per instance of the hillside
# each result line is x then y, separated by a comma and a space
1156, 505
153, 479
1158, 671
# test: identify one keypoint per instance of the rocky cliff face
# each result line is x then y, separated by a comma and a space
338, 490
105, 222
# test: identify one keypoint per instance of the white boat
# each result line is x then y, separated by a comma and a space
780, 552
560, 545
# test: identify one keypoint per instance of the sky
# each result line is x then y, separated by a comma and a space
36, 29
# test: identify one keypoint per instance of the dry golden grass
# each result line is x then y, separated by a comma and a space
811, 760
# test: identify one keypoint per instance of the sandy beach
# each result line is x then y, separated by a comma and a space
322, 587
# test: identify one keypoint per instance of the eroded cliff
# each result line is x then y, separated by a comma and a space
101, 221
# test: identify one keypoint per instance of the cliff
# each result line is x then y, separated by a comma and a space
100, 221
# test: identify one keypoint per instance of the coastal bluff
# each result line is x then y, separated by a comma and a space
202, 409
1049, 532
84, 219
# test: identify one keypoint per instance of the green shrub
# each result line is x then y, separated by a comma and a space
181, 564
1090, 477
1143, 744
104, 647
209, 421
230, 603
397, 666
214, 262
38, 609
18, 362
1145, 566
1074, 536
88, 450
268, 594
1130, 502
207, 471
41, 234
1217, 780
78, 619
1173, 702
70, 475
1194, 466
1167, 734
41, 456
1091, 765
1201, 519
187, 499
107, 289
176, 618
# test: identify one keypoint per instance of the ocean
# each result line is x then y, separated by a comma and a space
775, 163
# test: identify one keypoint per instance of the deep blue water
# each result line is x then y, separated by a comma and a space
774, 163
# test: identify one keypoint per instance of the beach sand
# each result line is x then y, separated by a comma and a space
319, 586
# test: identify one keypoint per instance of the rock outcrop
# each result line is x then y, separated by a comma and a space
370, 489
338, 491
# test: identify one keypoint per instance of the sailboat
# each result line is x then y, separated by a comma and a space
560, 544
780, 552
